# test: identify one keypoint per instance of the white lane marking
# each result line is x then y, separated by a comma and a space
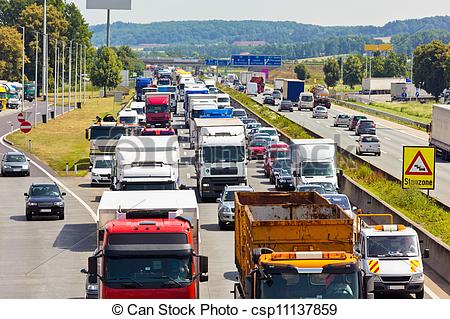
57, 181
387, 138
338, 131
185, 153
383, 152
400, 159
430, 293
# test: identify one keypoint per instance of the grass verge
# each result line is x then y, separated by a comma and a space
410, 202
63, 140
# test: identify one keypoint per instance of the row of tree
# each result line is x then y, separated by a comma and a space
431, 65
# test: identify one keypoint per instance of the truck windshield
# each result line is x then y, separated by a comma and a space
162, 108
278, 154
291, 285
307, 98
392, 246
223, 100
148, 272
127, 119
149, 186
103, 164
317, 169
219, 154
106, 132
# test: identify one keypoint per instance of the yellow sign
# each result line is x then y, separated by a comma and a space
378, 47
418, 167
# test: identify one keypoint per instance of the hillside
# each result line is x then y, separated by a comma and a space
271, 32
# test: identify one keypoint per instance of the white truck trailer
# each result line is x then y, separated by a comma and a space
146, 163
440, 130
220, 151
314, 160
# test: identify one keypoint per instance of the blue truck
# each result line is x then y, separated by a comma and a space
292, 89
140, 84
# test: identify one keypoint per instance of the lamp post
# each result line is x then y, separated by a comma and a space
23, 66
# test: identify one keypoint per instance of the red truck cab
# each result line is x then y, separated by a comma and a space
148, 259
157, 110
275, 151
260, 82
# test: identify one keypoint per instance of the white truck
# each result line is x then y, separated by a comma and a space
391, 255
146, 163
184, 82
439, 130
314, 160
197, 99
128, 117
223, 100
278, 84
139, 107
220, 155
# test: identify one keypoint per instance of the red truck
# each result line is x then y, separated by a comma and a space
275, 151
147, 247
259, 80
157, 109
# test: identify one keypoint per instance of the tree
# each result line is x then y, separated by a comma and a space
447, 71
11, 56
429, 67
105, 71
130, 59
78, 29
395, 65
377, 66
301, 71
352, 71
331, 71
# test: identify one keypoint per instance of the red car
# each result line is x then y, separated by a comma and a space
275, 151
257, 148
157, 131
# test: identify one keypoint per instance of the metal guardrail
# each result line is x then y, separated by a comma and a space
431, 241
370, 110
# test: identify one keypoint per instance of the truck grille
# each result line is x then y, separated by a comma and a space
395, 278
106, 175
224, 171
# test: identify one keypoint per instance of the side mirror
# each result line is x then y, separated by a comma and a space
218, 199
86, 134
92, 266
426, 253
25, 194
354, 208
203, 264
294, 173
203, 278
90, 168
63, 194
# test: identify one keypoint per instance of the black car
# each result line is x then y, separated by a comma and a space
278, 166
44, 199
269, 100
286, 105
365, 126
284, 181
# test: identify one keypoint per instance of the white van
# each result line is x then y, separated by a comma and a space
252, 88
128, 117
139, 107
306, 101
223, 100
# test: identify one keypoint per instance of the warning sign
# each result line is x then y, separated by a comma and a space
418, 167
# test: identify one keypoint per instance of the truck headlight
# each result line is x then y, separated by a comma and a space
417, 277
95, 174
92, 287
205, 185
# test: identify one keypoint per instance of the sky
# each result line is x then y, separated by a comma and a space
327, 12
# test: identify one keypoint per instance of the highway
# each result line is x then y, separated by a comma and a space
42, 258
393, 137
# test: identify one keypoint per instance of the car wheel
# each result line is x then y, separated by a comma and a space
357, 152
61, 216
379, 154
28, 173
221, 225
292, 110
29, 216
420, 295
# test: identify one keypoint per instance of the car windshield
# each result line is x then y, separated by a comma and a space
103, 164
239, 113
293, 285
392, 246
260, 143
162, 108
321, 109
370, 139
278, 154
15, 158
223, 154
283, 164
343, 116
307, 98
357, 118
328, 187
229, 195
340, 200
270, 132
127, 119
44, 190
317, 169
307, 188
223, 100
365, 123
148, 272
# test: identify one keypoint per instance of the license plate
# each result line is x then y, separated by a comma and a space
16, 170
396, 287
46, 210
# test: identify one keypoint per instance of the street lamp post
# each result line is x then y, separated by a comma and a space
23, 66
76, 72
63, 78
81, 70
55, 78
45, 55
36, 78
85, 72
70, 74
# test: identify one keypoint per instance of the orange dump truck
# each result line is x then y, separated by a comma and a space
294, 245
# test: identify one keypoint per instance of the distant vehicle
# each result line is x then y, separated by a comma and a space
286, 105
101, 170
274, 152
284, 181
368, 144
310, 188
306, 101
267, 92
328, 187
292, 89
44, 199
251, 128
257, 148
139, 107
320, 112
269, 100
128, 117
439, 129
354, 120
158, 131
277, 168
342, 201
321, 96
273, 133
223, 100
252, 88
226, 205
15, 163
341, 120
365, 126
239, 113
247, 120
261, 136
276, 94
213, 90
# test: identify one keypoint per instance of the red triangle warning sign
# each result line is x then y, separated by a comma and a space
418, 166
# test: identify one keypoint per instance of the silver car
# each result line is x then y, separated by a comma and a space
226, 205
15, 163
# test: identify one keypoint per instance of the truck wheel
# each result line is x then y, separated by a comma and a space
420, 295
29, 216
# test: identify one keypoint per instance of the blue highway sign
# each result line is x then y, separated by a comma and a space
256, 60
